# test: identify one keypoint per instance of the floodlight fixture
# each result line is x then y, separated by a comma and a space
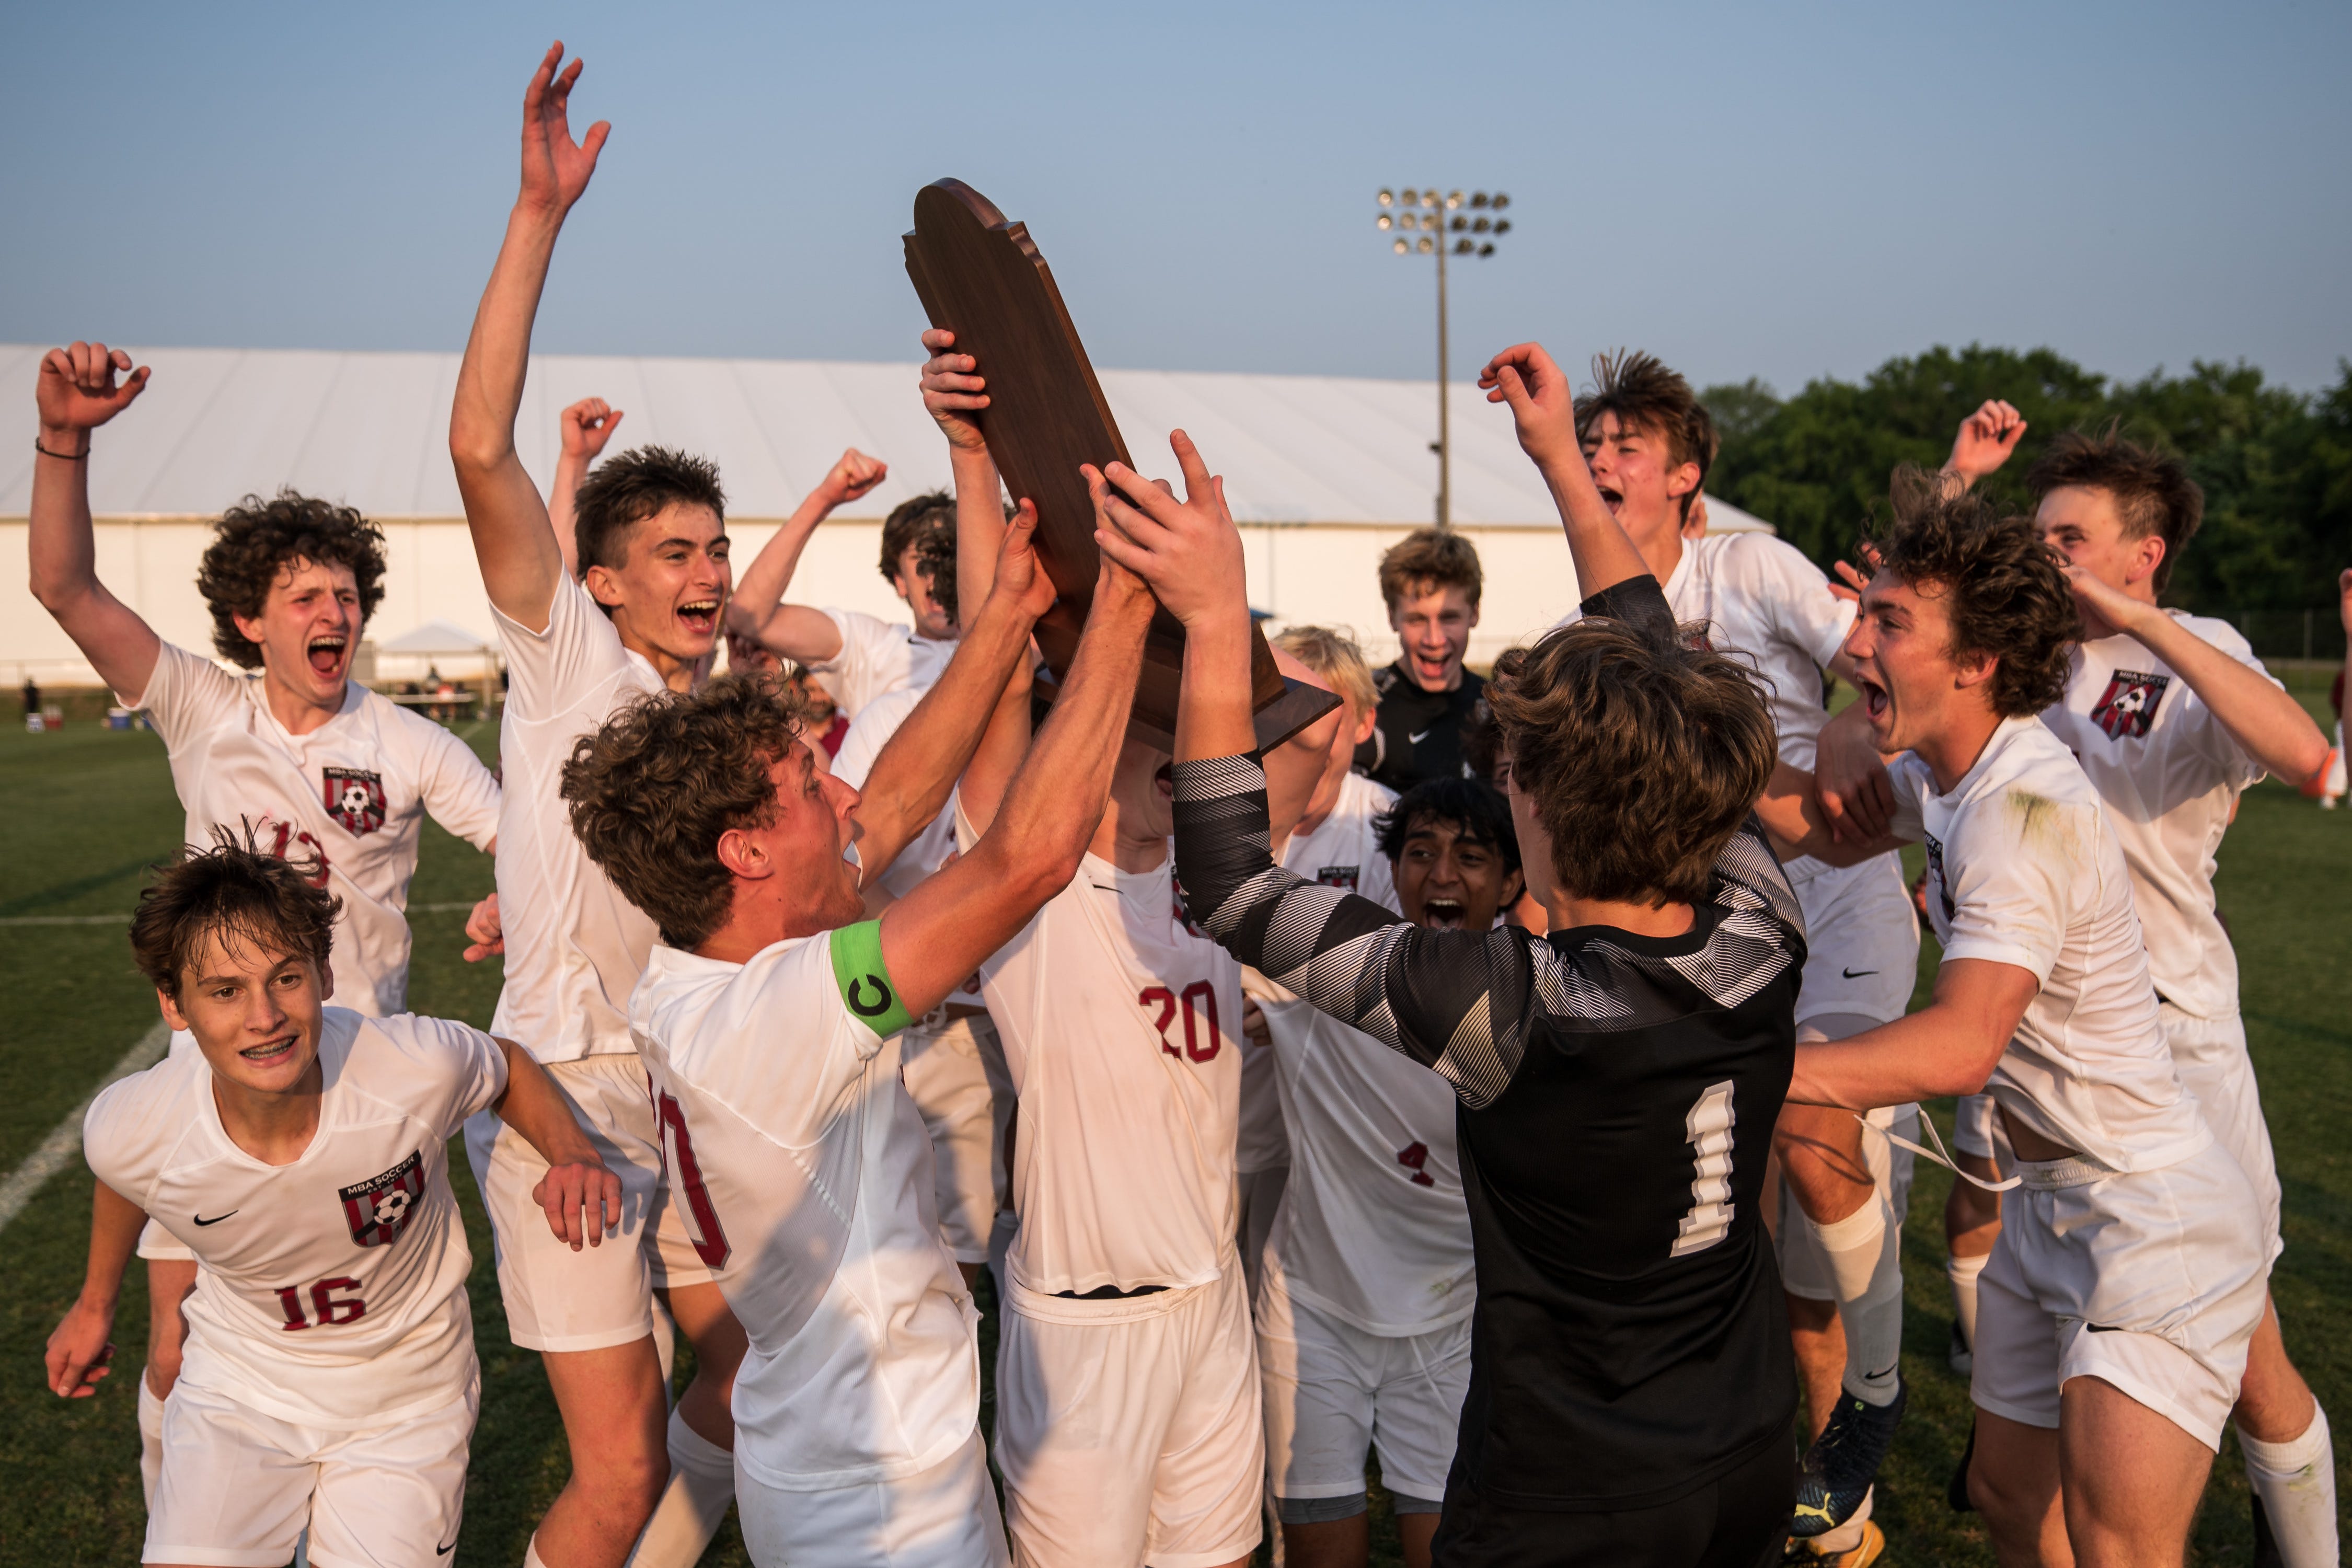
1388, 198
1431, 214
1501, 201
1386, 221
1409, 199
1425, 245
1400, 248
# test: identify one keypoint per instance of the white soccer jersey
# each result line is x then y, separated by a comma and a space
1373, 1228
2171, 776
877, 657
353, 794
333, 1289
805, 1176
1122, 1032
574, 945
2023, 868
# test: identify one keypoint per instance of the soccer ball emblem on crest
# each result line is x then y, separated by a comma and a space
390, 1206
2127, 706
354, 798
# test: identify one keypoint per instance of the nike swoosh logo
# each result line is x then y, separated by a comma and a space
445, 1550
2105, 1328
1416, 739
1856, 973
214, 1220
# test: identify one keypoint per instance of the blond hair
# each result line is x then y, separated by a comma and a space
1334, 656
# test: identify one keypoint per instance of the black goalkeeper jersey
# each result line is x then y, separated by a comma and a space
1616, 1096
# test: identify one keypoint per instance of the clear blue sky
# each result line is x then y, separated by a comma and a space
1782, 191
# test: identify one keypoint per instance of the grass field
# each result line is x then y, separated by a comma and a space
85, 811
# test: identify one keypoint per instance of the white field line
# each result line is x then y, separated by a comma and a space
125, 919
64, 1142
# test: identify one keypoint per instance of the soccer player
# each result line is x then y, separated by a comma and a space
2113, 1317
2172, 717
640, 615
857, 657
1631, 1388
767, 1012
1364, 1315
301, 1153
1429, 580
1649, 443
325, 769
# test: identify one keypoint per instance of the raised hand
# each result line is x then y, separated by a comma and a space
1188, 551
76, 390
585, 426
851, 477
1543, 407
1986, 439
2105, 610
555, 168
953, 392
1020, 577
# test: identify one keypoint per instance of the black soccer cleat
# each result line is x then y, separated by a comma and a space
1838, 1469
2267, 1548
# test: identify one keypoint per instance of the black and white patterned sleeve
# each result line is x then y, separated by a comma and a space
1455, 1002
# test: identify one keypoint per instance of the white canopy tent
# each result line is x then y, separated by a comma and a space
1322, 472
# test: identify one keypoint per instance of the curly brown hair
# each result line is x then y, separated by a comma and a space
1645, 395
2002, 589
1643, 756
910, 520
1429, 559
654, 790
2152, 490
631, 488
256, 542
239, 893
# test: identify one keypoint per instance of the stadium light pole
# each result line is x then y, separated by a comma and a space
1461, 225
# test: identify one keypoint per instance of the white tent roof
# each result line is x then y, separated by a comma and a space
439, 636
370, 430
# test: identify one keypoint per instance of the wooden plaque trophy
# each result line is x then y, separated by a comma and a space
981, 278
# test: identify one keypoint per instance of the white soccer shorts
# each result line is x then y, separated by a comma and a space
238, 1488
2152, 1280
954, 1086
1128, 1431
1804, 1267
1977, 1129
2209, 1055
1333, 1392
559, 1300
1862, 944
944, 1517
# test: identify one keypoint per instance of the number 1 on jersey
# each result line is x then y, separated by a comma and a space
1708, 1127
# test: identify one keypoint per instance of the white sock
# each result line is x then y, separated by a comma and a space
1962, 1272
694, 1504
1868, 1274
2296, 1481
150, 1438
531, 1557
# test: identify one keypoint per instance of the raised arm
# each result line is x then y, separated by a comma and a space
1543, 408
582, 1197
514, 539
76, 392
80, 1350
908, 787
937, 935
1985, 440
582, 429
953, 393
755, 609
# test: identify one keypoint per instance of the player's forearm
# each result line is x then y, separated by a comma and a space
1078, 747
115, 1223
909, 784
537, 1110
1212, 706
562, 504
1597, 542
764, 582
2271, 725
497, 352
1948, 1048
61, 541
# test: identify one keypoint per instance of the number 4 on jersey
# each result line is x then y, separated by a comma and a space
1708, 1127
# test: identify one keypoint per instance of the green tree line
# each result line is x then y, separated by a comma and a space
2275, 463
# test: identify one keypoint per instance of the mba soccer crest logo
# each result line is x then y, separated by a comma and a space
379, 1209
1345, 876
2128, 706
355, 800
1935, 875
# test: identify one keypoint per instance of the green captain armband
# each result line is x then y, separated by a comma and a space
865, 979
